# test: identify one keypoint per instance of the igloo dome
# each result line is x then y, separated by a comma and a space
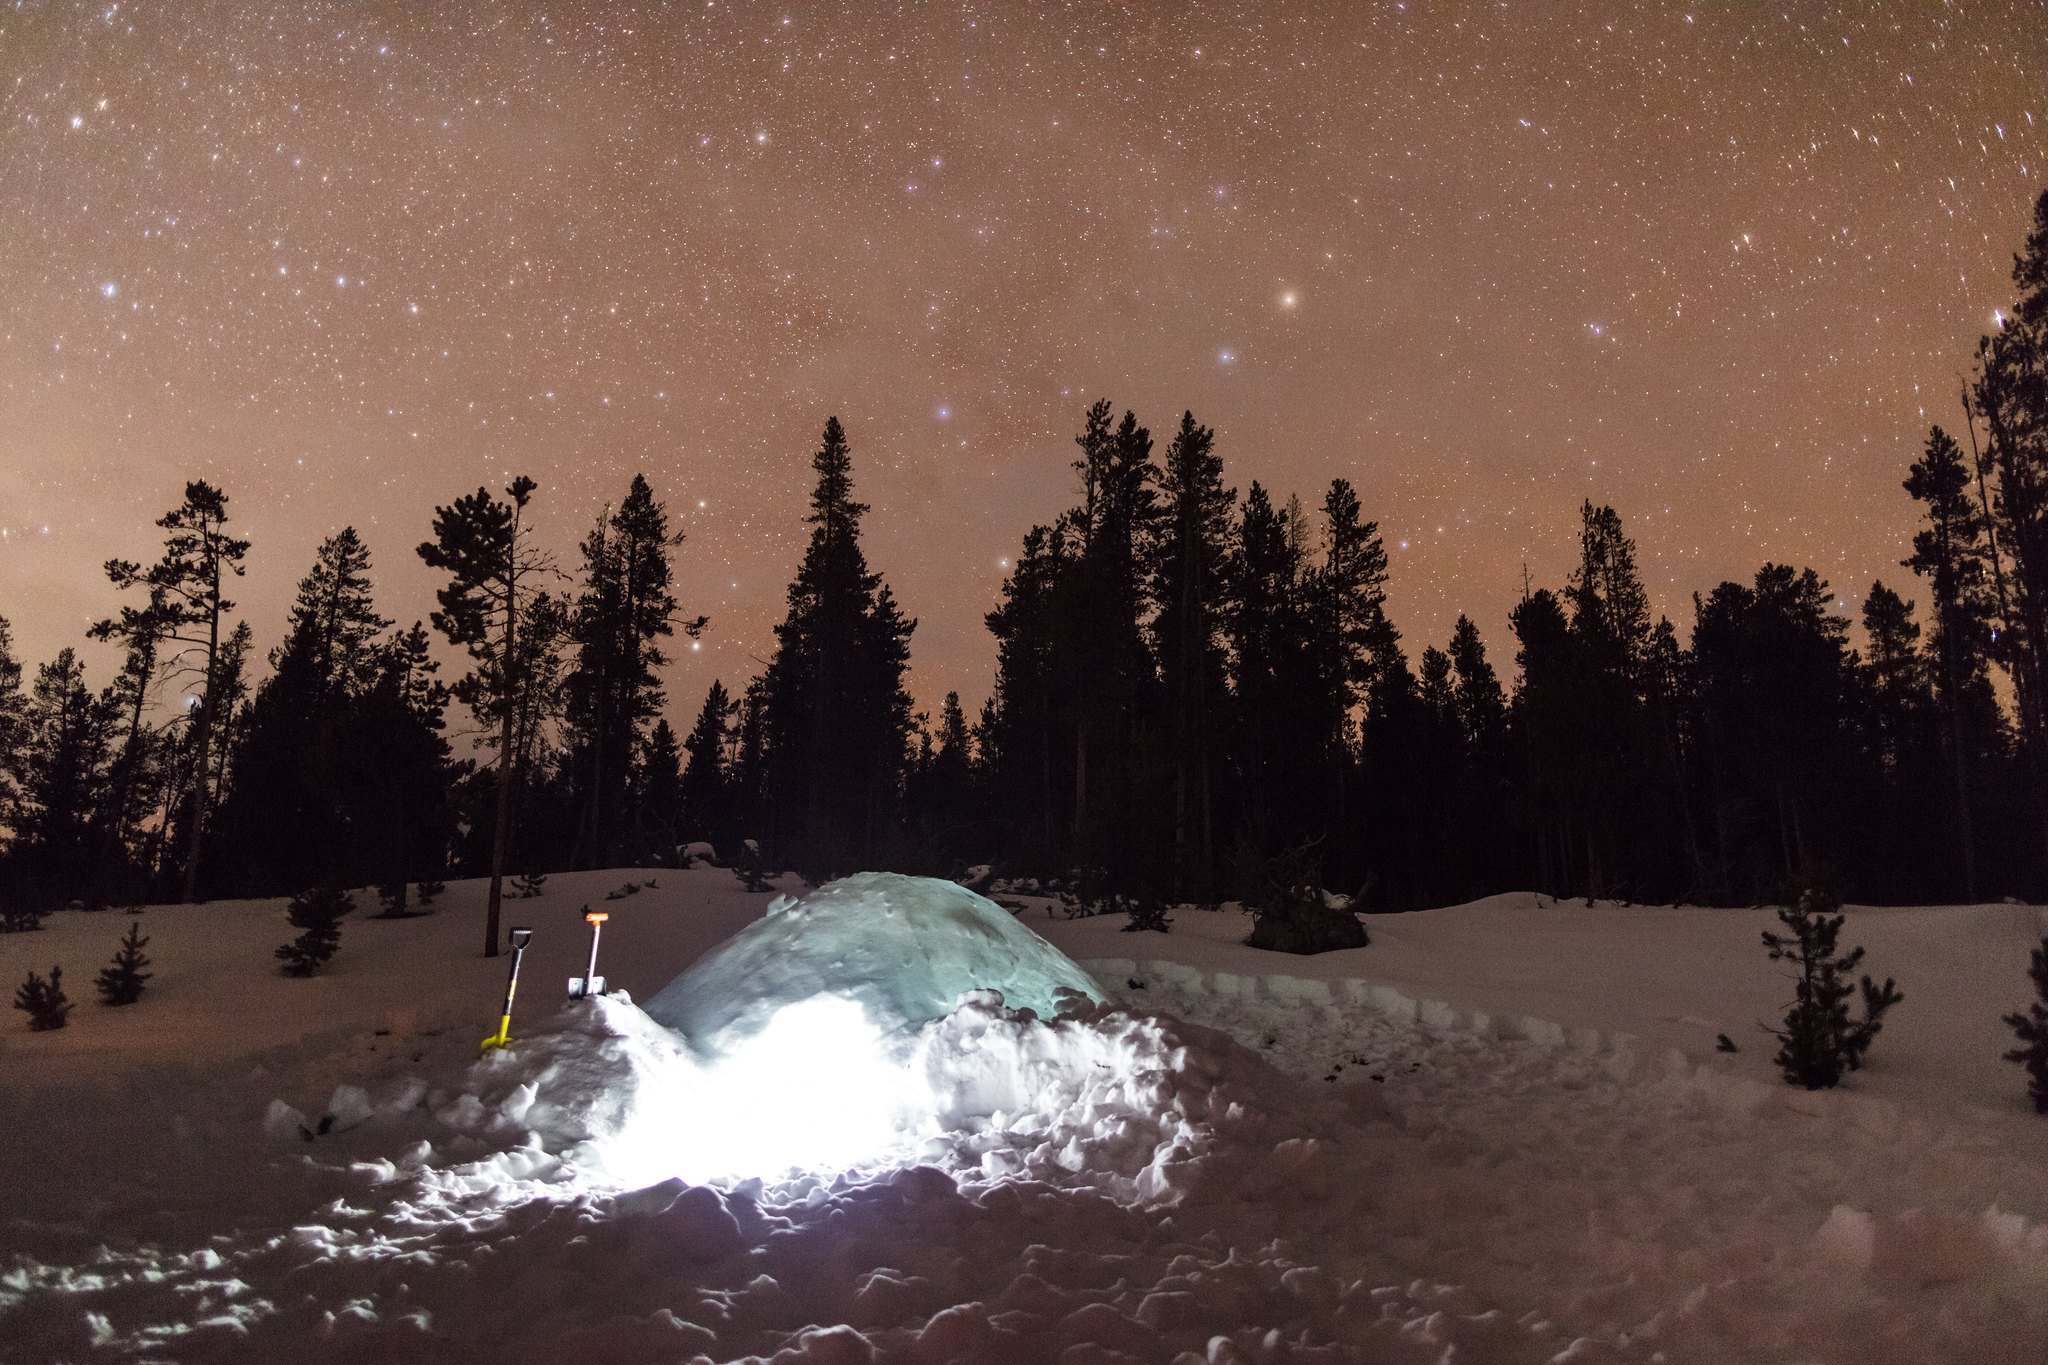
903, 948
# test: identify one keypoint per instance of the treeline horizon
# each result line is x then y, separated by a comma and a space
1198, 695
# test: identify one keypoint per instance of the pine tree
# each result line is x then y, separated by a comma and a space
707, 797
1552, 734
398, 790
1895, 672
1820, 1040
942, 794
1951, 552
745, 757
1774, 681
1189, 585
1612, 631
43, 1001
837, 720
317, 913
1100, 675
1350, 641
658, 790
335, 625
1481, 705
484, 546
62, 768
198, 757
185, 593
1491, 858
1272, 750
627, 607
2031, 1027
1434, 686
121, 982
1610, 609
289, 819
2010, 394
1407, 769
1037, 762
143, 630
13, 723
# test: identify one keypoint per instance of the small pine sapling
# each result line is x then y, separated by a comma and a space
1148, 913
527, 885
43, 1001
392, 897
20, 919
2032, 1028
120, 982
1819, 1040
748, 868
1295, 915
427, 891
317, 914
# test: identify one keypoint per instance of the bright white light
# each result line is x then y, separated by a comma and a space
815, 1089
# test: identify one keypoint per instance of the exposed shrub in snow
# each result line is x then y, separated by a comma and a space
1148, 913
392, 897
1820, 1040
19, 919
629, 889
527, 885
1294, 916
748, 866
43, 1001
120, 982
2032, 1028
317, 912
426, 891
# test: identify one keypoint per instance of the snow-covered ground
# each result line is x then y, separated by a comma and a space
1500, 1133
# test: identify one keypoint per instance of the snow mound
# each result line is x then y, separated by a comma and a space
905, 949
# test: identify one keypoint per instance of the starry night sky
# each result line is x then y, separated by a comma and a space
1719, 269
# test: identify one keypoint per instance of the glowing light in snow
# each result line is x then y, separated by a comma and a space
813, 1090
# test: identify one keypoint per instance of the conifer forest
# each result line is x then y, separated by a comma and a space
1195, 679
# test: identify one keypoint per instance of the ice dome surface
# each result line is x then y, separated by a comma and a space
904, 948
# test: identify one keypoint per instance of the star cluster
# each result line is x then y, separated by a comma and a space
1720, 269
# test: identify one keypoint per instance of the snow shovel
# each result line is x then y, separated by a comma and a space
590, 983
503, 1037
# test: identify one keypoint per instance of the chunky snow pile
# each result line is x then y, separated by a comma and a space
551, 1210
904, 949
1100, 1096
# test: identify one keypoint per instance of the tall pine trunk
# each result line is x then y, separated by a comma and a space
202, 741
501, 827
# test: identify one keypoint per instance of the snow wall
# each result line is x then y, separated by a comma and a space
904, 948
